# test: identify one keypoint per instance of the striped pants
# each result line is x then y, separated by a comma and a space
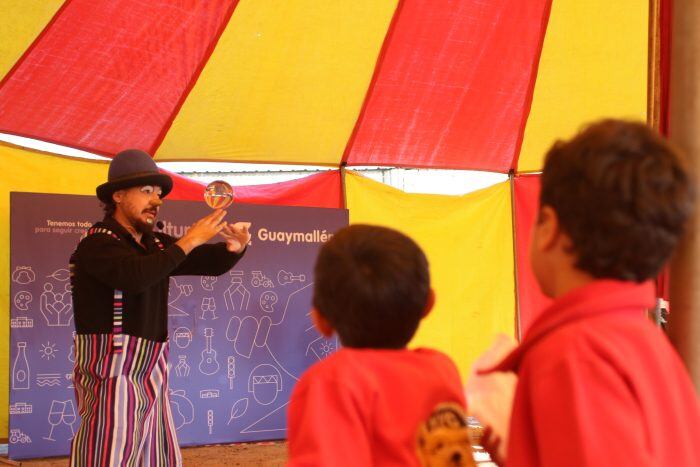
122, 398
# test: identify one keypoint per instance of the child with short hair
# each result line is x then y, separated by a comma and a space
368, 403
598, 383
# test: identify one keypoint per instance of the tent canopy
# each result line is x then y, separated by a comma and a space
461, 84
372, 82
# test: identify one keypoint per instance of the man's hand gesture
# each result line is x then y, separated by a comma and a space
201, 231
237, 236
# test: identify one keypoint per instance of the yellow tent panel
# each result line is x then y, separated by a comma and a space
469, 243
285, 83
20, 23
593, 65
39, 173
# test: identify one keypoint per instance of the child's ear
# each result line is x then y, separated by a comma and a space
321, 323
546, 232
429, 304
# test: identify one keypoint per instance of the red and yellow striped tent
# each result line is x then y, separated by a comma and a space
451, 84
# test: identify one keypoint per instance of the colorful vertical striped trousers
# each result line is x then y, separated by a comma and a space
121, 385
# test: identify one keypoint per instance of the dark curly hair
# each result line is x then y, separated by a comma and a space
109, 208
372, 285
623, 196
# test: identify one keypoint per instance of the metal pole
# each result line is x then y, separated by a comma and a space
511, 181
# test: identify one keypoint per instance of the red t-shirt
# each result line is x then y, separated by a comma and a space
364, 406
599, 384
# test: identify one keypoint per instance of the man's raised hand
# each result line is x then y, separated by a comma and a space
237, 236
203, 230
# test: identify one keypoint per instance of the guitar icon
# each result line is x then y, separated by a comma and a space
208, 365
284, 277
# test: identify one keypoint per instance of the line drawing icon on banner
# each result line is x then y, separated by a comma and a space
265, 383
174, 293
22, 300
23, 275
230, 370
61, 275
208, 305
21, 322
284, 277
243, 334
238, 409
209, 364
20, 368
268, 299
48, 350
181, 407
210, 421
320, 347
208, 282
209, 394
57, 308
61, 412
48, 379
182, 369
18, 437
71, 352
21, 408
182, 337
236, 293
261, 280
268, 423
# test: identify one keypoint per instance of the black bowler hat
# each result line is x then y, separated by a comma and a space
129, 168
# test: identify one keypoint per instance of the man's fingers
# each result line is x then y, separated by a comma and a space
217, 216
241, 228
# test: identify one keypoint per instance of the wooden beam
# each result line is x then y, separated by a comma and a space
684, 132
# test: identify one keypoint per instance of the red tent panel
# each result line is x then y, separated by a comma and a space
185, 188
322, 190
530, 299
108, 75
453, 85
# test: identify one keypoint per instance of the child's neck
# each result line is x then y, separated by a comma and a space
568, 279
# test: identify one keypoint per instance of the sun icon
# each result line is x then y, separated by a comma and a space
48, 350
326, 349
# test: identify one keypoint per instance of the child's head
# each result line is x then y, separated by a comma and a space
372, 286
617, 197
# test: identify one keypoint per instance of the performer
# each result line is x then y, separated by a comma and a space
120, 274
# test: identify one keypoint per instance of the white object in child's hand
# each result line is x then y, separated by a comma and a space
490, 397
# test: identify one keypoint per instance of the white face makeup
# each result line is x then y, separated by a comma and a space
139, 206
150, 190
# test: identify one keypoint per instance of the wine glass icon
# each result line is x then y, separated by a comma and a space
69, 416
56, 416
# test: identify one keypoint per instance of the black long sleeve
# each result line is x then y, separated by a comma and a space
207, 260
112, 259
115, 263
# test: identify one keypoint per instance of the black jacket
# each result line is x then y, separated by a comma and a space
103, 263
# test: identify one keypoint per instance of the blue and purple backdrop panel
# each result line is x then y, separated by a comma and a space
238, 342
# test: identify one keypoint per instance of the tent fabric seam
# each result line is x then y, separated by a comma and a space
375, 75
193, 80
531, 87
33, 44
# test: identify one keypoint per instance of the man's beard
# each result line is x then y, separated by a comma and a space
142, 226
145, 227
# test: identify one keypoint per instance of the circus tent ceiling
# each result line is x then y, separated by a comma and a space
462, 84
410, 83
375, 82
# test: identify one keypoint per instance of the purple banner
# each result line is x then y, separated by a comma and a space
238, 342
